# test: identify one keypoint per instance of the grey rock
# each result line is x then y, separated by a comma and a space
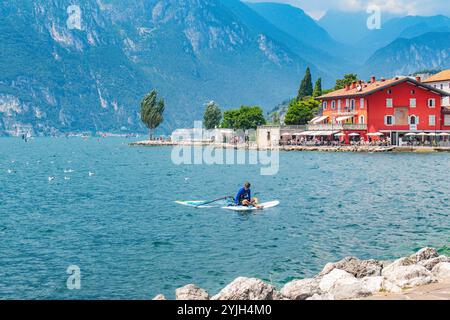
159, 297
431, 263
408, 276
424, 254
191, 292
301, 289
325, 296
247, 289
329, 280
442, 272
358, 268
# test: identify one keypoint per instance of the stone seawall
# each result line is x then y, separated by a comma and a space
361, 149
349, 278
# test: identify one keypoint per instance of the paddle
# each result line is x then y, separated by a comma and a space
212, 201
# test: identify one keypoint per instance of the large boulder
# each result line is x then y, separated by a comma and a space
324, 296
159, 297
442, 272
329, 280
424, 254
300, 289
247, 289
402, 262
431, 263
191, 292
408, 276
358, 268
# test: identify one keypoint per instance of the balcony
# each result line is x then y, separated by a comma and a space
336, 126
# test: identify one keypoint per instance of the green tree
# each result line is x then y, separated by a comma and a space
152, 111
318, 88
301, 112
348, 79
246, 117
306, 87
212, 116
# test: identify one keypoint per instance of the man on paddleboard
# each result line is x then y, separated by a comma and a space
244, 197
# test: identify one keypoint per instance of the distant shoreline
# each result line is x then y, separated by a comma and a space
359, 149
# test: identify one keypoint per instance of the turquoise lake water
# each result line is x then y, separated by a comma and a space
120, 224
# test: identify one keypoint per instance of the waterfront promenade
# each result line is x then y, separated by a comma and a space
253, 146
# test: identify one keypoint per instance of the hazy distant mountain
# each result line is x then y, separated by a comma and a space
295, 22
405, 56
327, 64
58, 79
348, 27
405, 27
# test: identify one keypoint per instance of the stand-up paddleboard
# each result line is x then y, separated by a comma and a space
195, 204
266, 205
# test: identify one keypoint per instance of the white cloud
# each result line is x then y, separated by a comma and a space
317, 8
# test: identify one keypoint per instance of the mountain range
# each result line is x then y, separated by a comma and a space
56, 77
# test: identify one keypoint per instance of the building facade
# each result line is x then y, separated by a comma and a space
441, 81
393, 107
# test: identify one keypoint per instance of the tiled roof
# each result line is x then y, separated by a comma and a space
441, 76
367, 88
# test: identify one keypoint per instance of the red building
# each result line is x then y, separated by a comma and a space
392, 107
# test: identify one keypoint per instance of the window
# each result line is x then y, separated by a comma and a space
361, 103
352, 104
268, 135
389, 91
339, 105
347, 103
389, 103
333, 104
413, 91
362, 120
442, 86
412, 120
389, 120
447, 120
324, 105
412, 103
431, 103
432, 120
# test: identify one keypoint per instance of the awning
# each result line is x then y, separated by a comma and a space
326, 133
375, 134
318, 119
339, 119
286, 134
340, 134
354, 134
411, 134
444, 134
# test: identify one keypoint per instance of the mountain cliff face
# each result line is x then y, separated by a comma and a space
405, 56
60, 74
85, 66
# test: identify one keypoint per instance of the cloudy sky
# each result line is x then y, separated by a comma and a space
317, 8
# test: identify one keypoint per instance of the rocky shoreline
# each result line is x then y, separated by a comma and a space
349, 278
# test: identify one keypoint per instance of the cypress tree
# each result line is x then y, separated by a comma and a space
318, 88
306, 87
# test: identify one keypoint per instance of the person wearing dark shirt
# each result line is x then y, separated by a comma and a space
244, 197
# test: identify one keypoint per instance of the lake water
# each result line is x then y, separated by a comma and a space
120, 224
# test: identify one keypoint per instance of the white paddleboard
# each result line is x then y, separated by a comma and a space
195, 204
266, 205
